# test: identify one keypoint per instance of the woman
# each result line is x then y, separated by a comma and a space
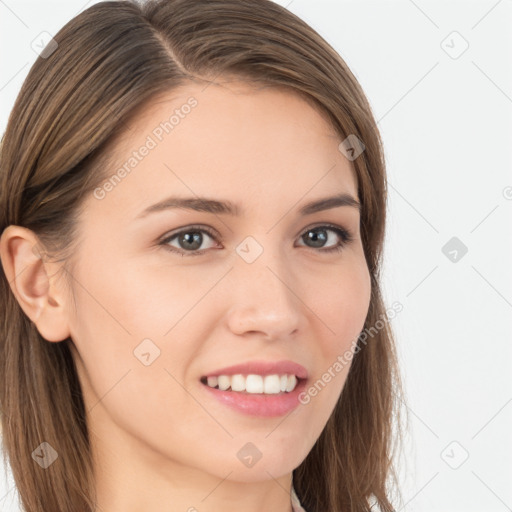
259, 374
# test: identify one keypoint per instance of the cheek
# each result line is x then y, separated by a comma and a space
341, 301
151, 317
136, 298
120, 326
339, 313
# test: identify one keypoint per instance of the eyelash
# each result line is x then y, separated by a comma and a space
344, 234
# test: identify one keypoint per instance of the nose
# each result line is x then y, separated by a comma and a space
263, 299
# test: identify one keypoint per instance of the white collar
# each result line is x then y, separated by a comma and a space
296, 506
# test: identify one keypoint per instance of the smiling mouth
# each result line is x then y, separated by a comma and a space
253, 384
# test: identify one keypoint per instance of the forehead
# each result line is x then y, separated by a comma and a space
238, 97
229, 138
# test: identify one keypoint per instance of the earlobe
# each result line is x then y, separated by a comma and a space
33, 282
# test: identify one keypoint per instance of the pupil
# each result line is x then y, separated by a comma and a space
187, 239
314, 237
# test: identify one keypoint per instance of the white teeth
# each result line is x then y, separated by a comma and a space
212, 382
292, 382
254, 384
269, 384
237, 383
224, 382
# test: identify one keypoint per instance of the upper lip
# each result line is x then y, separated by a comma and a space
263, 368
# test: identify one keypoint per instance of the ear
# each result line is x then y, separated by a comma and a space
34, 282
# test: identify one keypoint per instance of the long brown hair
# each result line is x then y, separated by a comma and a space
109, 61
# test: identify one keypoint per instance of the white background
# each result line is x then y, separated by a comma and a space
447, 127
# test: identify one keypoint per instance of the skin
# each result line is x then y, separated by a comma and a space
158, 438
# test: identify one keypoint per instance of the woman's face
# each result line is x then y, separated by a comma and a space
166, 296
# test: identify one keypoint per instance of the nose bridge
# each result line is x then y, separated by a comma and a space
264, 299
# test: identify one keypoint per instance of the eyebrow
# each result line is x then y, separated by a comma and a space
204, 204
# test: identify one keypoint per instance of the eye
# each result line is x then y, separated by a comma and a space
317, 236
189, 240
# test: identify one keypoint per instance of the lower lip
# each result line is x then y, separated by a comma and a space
259, 404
